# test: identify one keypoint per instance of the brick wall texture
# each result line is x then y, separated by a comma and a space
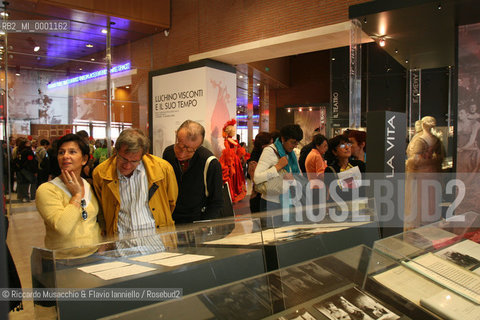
203, 25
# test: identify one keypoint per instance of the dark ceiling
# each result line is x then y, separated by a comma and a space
67, 50
418, 33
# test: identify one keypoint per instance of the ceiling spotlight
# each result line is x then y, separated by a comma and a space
240, 77
80, 69
36, 48
382, 42
365, 20
396, 50
439, 7
93, 59
4, 14
258, 84
104, 31
89, 45
333, 59
17, 71
289, 110
127, 87
310, 109
300, 110
406, 61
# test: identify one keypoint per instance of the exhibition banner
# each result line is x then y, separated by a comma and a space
201, 93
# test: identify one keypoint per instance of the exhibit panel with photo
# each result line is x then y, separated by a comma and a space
195, 92
468, 117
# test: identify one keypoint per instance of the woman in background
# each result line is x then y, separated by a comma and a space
342, 175
315, 164
26, 168
262, 140
274, 158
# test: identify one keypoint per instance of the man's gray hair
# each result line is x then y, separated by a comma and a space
134, 139
194, 130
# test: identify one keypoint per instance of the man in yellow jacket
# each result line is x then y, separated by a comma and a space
136, 190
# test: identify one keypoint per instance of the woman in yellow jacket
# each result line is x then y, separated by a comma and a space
67, 203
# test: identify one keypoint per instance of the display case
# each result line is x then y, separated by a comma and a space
335, 286
167, 258
299, 234
448, 254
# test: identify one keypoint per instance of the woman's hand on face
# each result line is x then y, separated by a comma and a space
71, 182
282, 162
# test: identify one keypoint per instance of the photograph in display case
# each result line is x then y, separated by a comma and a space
300, 314
272, 293
466, 254
267, 290
236, 302
429, 237
305, 282
354, 304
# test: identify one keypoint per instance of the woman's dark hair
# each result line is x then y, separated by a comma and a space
318, 139
261, 139
83, 134
21, 144
332, 146
359, 136
72, 137
336, 141
275, 134
291, 131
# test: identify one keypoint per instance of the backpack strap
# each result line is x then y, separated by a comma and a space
207, 163
335, 172
276, 152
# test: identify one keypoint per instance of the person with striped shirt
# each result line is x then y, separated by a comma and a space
137, 191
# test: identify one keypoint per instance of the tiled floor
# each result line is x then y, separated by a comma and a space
26, 230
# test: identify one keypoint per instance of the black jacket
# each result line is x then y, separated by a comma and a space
192, 204
303, 156
331, 174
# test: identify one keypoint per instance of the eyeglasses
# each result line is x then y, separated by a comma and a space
184, 148
344, 145
124, 160
83, 204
